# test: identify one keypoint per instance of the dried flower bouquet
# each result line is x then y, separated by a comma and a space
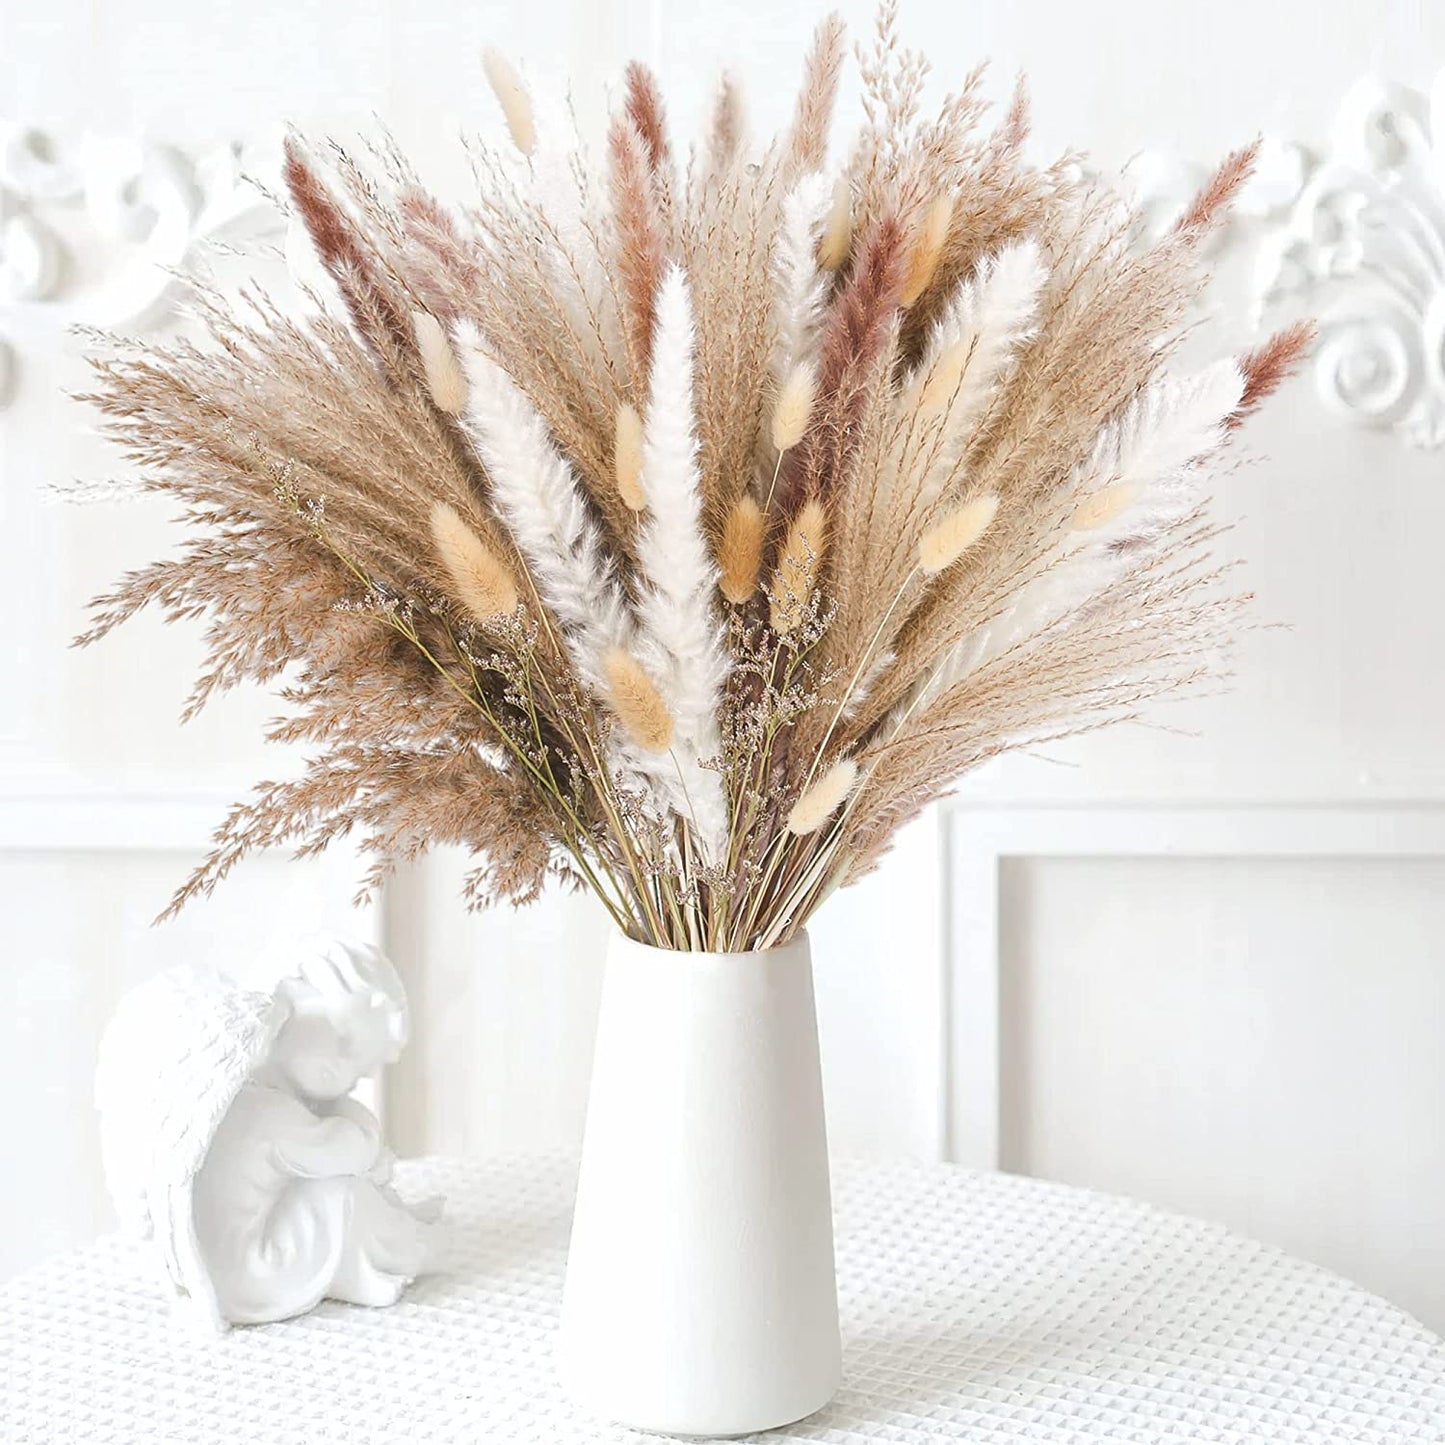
681, 530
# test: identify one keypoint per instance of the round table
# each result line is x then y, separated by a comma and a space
977, 1307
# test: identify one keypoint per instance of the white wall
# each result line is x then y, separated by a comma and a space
1201, 968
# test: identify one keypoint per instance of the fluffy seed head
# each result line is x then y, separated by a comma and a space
740, 551
947, 540
798, 568
1104, 506
634, 698
443, 373
838, 228
819, 802
627, 458
927, 248
944, 378
794, 406
512, 96
482, 580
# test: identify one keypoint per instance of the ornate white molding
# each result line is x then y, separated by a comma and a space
93, 232
1362, 248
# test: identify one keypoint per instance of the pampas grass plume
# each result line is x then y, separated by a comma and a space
512, 96
627, 458
444, 378
482, 580
947, 540
819, 802
634, 697
838, 228
740, 550
798, 567
927, 248
794, 406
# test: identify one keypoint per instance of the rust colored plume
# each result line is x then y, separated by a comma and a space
1211, 205
640, 251
645, 111
1269, 365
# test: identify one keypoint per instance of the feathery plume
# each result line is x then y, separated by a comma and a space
482, 580
640, 251
740, 551
538, 495
627, 457
793, 407
1212, 204
634, 698
679, 638
823, 798
444, 379
726, 128
511, 93
800, 287
645, 111
798, 567
947, 540
927, 248
806, 146
1269, 366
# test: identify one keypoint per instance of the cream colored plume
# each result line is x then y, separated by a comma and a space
627, 458
443, 373
927, 248
794, 406
838, 229
947, 540
823, 798
512, 96
482, 580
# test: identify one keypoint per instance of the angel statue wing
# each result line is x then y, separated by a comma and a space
177, 1051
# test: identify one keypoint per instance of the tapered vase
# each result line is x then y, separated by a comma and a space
700, 1296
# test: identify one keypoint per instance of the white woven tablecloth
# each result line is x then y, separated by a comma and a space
976, 1307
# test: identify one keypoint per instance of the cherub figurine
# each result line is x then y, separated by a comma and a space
230, 1137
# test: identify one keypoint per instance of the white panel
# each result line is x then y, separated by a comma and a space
1255, 1040
77, 936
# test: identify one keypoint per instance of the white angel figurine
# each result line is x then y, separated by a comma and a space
230, 1137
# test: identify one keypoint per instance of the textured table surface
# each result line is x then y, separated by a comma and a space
976, 1307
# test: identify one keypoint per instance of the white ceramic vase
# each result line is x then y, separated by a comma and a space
700, 1295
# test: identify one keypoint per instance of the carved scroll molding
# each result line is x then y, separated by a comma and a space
93, 232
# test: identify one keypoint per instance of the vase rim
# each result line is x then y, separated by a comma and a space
799, 942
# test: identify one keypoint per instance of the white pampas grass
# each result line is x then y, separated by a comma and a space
1139, 477
823, 798
538, 495
443, 374
800, 288
511, 93
981, 330
680, 640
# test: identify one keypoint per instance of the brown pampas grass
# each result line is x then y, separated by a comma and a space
1217, 194
483, 584
679, 526
740, 550
1269, 366
634, 698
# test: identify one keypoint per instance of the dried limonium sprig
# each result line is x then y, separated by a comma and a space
679, 528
